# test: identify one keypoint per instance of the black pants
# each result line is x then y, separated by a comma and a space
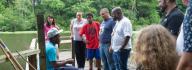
80, 53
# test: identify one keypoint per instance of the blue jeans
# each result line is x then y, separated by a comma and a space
106, 57
121, 59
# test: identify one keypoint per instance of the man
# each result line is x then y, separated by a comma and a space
78, 44
106, 29
185, 62
51, 54
90, 31
121, 39
173, 17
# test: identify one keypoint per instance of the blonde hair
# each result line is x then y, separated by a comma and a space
155, 49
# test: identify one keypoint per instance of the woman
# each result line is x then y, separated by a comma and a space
49, 24
155, 49
78, 44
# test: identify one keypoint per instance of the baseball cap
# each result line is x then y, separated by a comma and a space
53, 32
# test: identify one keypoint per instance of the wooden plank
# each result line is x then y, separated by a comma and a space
33, 61
65, 37
65, 41
8, 56
25, 53
33, 44
33, 58
41, 40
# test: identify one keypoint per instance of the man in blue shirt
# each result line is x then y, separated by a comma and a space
51, 54
106, 28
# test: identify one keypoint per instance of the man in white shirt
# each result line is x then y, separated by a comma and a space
121, 39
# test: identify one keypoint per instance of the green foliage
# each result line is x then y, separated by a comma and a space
16, 16
147, 12
20, 14
180, 5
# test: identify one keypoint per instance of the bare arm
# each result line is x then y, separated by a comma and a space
71, 28
185, 61
84, 39
57, 27
57, 64
125, 42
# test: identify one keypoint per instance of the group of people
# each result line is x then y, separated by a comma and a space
158, 47
109, 41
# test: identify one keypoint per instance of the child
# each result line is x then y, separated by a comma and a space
91, 33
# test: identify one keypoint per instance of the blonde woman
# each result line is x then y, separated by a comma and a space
155, 49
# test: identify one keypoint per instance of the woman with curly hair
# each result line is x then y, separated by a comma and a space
155, 49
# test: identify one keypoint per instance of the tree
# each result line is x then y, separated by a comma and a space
20, 14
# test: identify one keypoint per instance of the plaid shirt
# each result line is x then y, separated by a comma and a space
187, 27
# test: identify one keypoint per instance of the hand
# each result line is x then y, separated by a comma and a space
121, 49
110, 49
87, 42
71, 37
70, 61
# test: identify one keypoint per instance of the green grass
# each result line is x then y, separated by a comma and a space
21, 40
17, 41
8, 66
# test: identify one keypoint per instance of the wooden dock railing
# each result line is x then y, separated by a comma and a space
26, 53
32, 54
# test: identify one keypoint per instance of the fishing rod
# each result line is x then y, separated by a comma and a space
8, 54
26, 60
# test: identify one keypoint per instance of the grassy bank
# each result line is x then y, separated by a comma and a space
21, 40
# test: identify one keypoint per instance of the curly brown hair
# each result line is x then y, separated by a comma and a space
155, 49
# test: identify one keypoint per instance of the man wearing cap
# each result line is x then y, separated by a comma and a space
51, 54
